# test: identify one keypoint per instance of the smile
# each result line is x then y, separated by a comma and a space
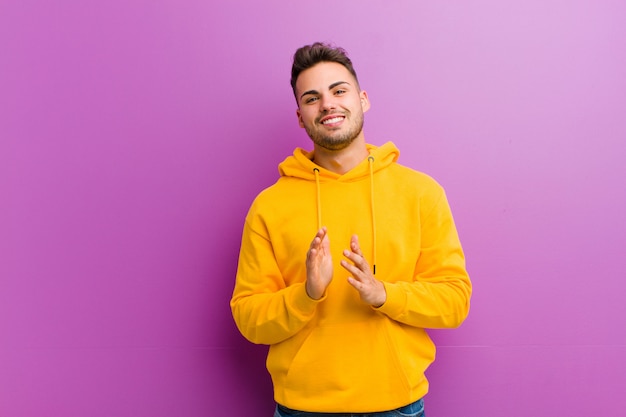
333, 120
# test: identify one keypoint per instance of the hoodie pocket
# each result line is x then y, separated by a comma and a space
362, 358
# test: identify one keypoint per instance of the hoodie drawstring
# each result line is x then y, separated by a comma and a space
319, 201
371, 164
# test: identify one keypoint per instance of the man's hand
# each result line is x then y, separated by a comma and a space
319, 265
371, 290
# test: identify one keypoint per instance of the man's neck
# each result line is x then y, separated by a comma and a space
343, 160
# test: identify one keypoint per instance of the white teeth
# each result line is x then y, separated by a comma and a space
333, 120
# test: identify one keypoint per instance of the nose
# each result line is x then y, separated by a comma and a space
327, 103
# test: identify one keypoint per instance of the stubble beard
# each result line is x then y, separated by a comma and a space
338, 141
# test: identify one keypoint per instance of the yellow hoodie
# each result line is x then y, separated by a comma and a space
338, 354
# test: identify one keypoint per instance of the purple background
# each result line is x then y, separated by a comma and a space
134, 135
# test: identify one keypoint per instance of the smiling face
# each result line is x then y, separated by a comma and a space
330, 105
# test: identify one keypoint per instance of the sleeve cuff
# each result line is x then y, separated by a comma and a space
396, 301
301, 301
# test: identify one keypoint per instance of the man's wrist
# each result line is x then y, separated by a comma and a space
311, 294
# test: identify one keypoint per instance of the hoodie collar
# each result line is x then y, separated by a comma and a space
299, 165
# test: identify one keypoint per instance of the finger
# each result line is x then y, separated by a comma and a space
313, 249
357, 274
357, 259
358, 285
354, 245
351, 268
319, 238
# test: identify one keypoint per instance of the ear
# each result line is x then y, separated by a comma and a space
300, 122
365, 101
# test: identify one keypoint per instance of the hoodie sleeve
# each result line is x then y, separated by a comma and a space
439, 295
265, 309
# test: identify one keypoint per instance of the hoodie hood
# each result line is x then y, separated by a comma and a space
299, 165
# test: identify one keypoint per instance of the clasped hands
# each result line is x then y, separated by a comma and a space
319, 269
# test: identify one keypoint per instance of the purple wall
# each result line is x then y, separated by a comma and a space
134, 135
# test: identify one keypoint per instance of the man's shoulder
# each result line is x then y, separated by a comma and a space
278, 194
412, 175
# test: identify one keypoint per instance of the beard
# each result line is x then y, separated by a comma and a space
340, 140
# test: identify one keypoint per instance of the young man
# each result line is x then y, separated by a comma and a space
346, 260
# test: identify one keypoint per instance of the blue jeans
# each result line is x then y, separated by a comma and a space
415, 409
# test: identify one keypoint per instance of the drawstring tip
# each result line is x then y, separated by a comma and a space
374, 270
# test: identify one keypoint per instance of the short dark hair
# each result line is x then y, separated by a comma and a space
311, 55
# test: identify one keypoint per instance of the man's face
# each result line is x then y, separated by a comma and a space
330, 105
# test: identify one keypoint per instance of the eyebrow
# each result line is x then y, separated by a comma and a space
330, 87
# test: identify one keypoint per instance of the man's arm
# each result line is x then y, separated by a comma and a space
265, 309
438, 296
